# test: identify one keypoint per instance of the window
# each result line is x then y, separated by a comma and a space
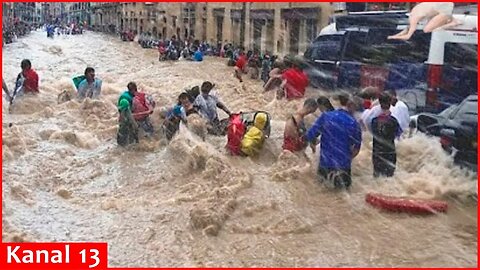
415, 50
311, 26
356, 42
373, 47
468, 111
339, 6
461, 55
449, 112
326, 48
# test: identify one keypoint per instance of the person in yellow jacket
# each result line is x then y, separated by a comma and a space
253, 140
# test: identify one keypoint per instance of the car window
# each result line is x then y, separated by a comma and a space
375, 47
355, 46
461, 55
326, 48
448, 112
468, 111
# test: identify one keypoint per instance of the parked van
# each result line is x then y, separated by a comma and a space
430, 71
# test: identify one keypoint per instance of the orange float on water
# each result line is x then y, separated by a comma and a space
414, 206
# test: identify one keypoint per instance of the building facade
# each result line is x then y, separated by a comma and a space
105, 17
7, 16
77, 13
52, 12
280, 28
13, 12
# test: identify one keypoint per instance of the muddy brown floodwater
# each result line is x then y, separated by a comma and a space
188, 203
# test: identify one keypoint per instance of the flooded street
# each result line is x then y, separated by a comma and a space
190, 204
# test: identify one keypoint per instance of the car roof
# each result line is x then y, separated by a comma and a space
371, 20
472, 98
396, 20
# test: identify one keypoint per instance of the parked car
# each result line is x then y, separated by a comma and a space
457, 128
431, 123
426, 71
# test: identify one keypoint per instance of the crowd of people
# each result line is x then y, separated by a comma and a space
339, 130
12, 31
174, 49
286, 77
63, 29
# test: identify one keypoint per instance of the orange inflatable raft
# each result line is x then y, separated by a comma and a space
413, 206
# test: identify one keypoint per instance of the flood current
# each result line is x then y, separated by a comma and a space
188, 203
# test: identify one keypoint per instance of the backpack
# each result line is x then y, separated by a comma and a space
249, 118
235, 131
77, 80
140, 105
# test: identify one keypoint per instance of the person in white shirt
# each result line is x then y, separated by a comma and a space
398, 109
207, 104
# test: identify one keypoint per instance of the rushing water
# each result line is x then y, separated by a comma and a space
188, 203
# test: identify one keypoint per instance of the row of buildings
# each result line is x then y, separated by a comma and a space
281, 27
15, 12
45, 12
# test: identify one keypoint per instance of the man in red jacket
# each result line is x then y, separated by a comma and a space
294, 82
240, 66
28, 78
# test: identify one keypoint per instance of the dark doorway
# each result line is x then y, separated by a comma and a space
257, 34
294, 35
219, 28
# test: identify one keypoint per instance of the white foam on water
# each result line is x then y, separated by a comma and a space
187, 202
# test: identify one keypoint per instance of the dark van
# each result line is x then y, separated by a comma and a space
429, 71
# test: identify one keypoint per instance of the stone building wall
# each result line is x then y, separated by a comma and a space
280, 28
